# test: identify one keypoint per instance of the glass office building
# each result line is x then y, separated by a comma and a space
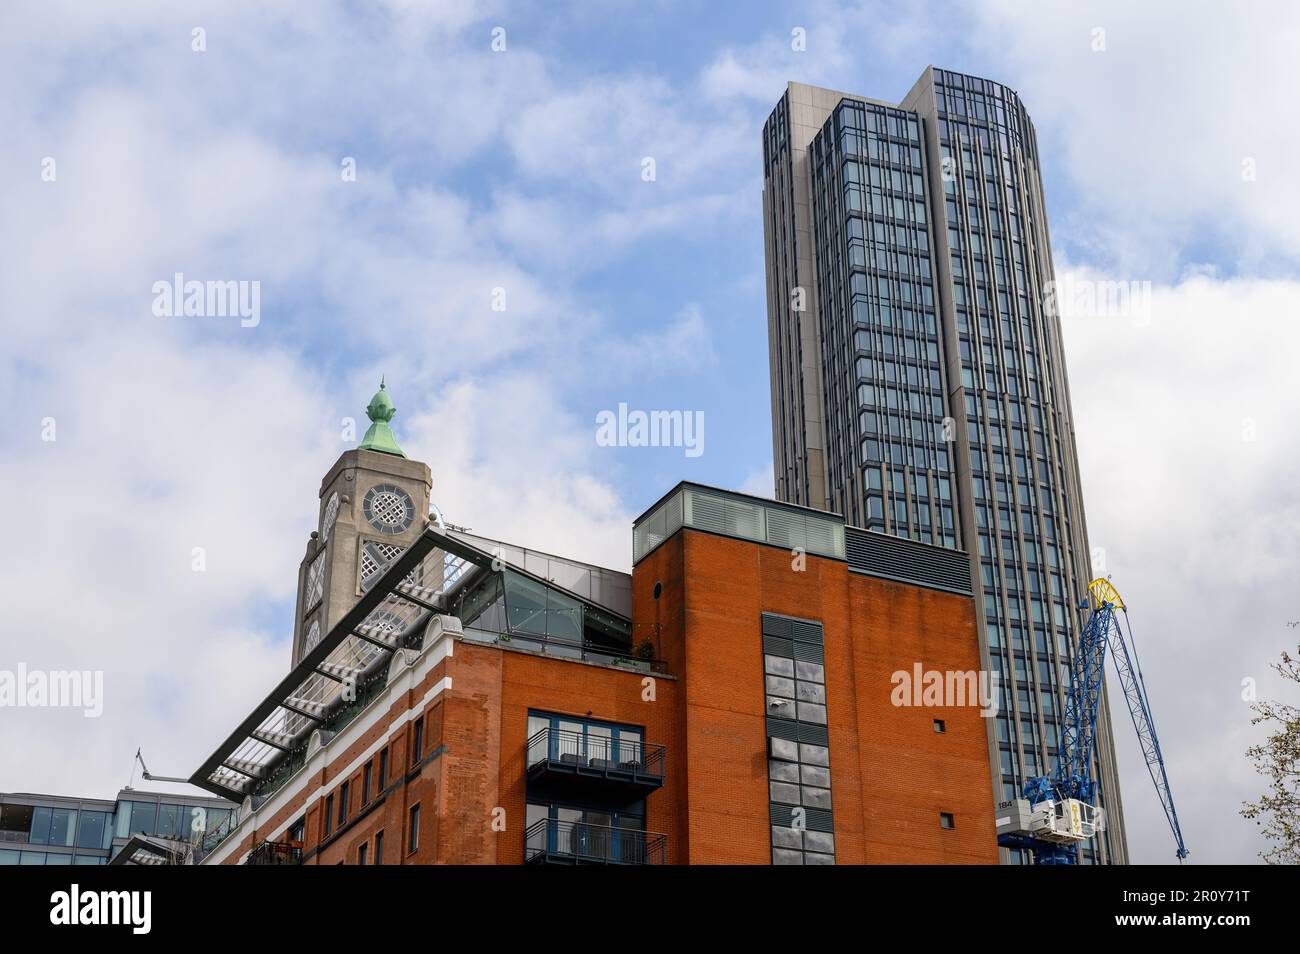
918, 380
56, 830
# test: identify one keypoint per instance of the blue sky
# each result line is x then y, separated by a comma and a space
521, 170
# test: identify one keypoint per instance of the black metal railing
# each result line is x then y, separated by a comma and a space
567, 648
566, 842
586, 754
276, 853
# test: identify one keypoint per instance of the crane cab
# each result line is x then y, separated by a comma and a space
1057, 820
1066, 820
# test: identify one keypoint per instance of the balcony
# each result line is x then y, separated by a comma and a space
276, 853
568, 759
554, 842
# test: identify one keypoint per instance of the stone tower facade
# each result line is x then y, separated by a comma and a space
373, 503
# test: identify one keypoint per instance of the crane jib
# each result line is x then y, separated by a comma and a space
1058, 811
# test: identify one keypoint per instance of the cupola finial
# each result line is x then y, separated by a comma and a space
380, 437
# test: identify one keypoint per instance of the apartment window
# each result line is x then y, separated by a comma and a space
383, 768
417, 743
588, 742
940, 726
329, 813
96, 830
361, 853
343, 803
945, 820
297, 830
379, 847
413, 835
171, 821
799, 775
365, 784
132, 818
55, 826
587, 834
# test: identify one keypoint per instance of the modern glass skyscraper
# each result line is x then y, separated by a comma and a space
918, 377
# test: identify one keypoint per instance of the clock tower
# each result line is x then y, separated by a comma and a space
373, 503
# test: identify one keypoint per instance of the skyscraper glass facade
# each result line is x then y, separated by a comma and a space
944, 410
883, 374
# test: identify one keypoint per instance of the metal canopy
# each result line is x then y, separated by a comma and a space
147, 850
393, 611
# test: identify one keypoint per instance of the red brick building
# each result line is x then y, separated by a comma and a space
892, 775
456, 700
436, 765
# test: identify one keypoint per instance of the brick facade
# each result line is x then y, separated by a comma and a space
893, 774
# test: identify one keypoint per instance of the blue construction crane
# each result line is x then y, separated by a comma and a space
1059, 811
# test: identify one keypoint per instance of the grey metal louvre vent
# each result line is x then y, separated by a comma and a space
786, 529
815, 734
778, 646
792, 528
782, 728
894, 558
657, 527
777, 625
805, 631
796, 638
797, 731
808, 652
815, 819
792, 628
822, 537
724, 515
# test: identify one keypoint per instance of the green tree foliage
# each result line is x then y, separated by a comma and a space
1277, 811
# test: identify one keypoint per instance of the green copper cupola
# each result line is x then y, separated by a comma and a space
380, 437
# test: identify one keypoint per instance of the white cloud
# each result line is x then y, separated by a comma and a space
599, 134
226, 164
840, 42
511, 462
175, 434
1153, 131
1200, 526
527, 225
158, 451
